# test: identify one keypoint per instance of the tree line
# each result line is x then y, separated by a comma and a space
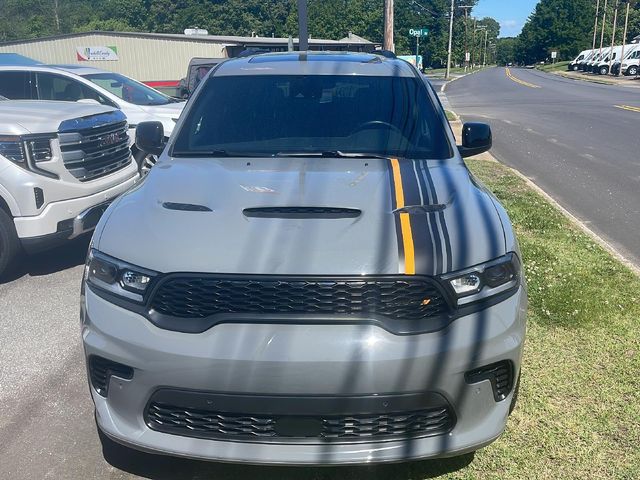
331, 19
567, 26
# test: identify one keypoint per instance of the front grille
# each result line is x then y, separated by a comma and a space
203, 296
213, 424
95, 152
101, 370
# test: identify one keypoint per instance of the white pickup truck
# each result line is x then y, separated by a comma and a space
61, 164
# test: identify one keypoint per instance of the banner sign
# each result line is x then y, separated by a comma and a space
85, 54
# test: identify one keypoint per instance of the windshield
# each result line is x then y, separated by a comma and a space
278, 114
129, 90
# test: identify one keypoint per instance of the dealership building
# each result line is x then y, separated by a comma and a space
159, 59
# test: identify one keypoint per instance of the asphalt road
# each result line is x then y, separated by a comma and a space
46, 414
570, 137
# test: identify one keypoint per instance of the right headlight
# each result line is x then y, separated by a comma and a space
485, 280
117, 277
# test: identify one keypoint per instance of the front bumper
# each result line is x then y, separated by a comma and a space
66, 219
295, 362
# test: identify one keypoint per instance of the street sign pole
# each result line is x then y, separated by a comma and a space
417, 45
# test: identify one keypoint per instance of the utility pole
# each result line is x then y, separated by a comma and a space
624, 36
466, 35
613, 35
450, 39
303, 32
473, 44
388, 26
486, 33
595, 27
604, 19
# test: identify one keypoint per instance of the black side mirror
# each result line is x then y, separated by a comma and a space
150, 137
476, 139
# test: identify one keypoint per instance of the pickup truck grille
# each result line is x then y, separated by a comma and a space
196, 296
91, 152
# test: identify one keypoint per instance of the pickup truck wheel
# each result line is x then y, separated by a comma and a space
145, 162
9, 243
633, 71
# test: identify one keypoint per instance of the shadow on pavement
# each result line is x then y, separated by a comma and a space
164, 467
71, 254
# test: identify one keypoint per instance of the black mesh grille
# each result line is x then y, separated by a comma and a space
101, 369
200, 297
499, 374
211, 424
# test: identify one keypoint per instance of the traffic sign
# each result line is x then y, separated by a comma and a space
554, 55
418, 32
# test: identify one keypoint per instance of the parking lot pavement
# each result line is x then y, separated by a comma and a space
46, 419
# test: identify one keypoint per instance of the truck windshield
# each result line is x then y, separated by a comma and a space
294, 114
128, 89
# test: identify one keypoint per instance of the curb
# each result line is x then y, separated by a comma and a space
489, 157
593, 80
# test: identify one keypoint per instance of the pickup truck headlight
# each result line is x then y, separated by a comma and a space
117, 277
484, 280
11, 147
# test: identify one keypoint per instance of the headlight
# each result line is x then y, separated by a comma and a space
11, 147
117, 277
485, 280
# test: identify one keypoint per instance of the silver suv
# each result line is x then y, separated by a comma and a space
324, 280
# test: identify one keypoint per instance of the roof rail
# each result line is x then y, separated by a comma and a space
252, 51
385, 53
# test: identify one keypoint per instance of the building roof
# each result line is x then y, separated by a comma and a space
224, 39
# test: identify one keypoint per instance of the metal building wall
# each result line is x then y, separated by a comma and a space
144, 59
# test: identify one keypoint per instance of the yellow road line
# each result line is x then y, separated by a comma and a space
628, 107
405, 222
517, 80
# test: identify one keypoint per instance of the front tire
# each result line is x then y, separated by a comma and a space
632, 71
9, 243
604, 70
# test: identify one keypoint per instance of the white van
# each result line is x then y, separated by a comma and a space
90, 85
582, 56
631, 63
602, 67
588, 66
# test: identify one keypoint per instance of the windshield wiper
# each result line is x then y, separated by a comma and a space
332, 154
215, 154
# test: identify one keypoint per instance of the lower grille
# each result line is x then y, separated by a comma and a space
500, 375
203, 296
192, 422
101, 370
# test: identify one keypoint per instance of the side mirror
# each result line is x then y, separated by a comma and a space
150, 137
476, 139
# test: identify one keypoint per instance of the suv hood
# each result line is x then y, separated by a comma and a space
37, 116
445, 221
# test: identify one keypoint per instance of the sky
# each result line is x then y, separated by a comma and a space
512, 14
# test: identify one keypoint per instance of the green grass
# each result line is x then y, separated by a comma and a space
552, 67
452, 117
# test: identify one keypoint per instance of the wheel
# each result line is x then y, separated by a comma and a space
514, 399
145, 161
576, 68
632, 70
9, 243
604, 70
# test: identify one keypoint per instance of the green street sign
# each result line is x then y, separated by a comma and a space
418, 32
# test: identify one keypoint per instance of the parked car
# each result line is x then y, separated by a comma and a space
87, 84
628, 52
574, 65
196, 71
326, 283
588, 66
60, 166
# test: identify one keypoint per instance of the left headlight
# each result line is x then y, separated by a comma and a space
117, 277
484, 280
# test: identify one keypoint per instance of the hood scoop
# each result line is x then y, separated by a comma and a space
301, 212
434, 207
185, 207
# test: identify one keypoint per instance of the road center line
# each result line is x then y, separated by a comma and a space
628, 107
517, 80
